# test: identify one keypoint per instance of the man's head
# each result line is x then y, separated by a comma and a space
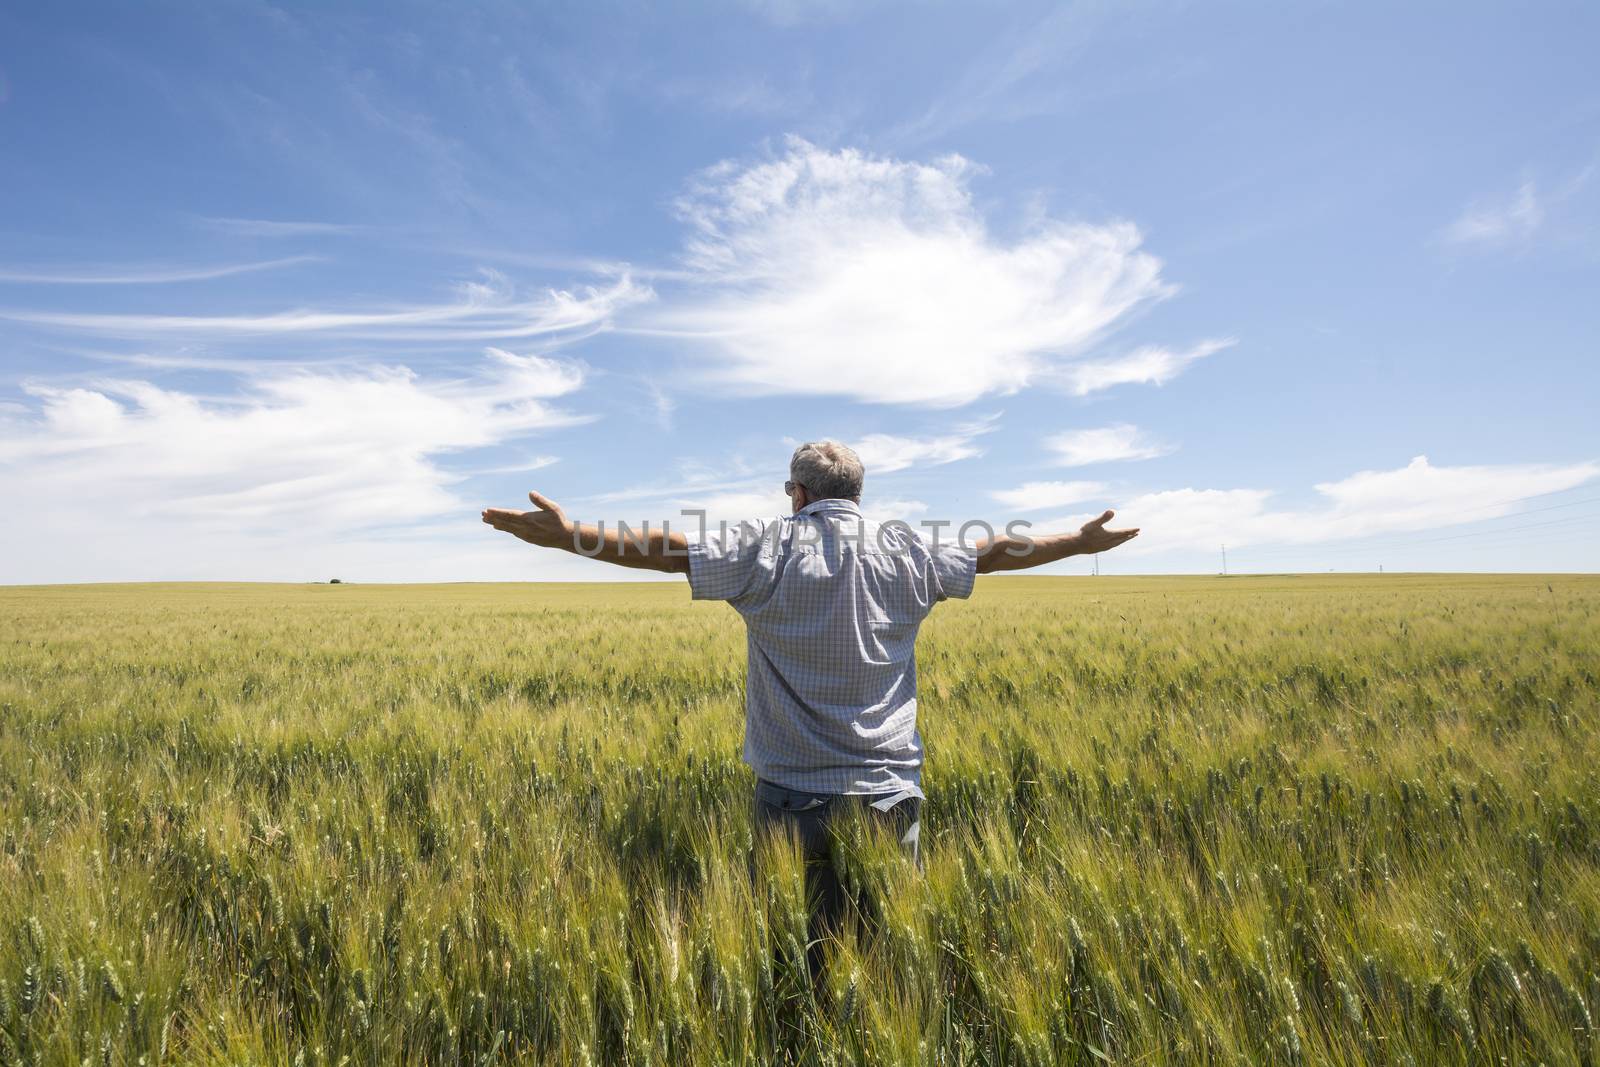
823, 470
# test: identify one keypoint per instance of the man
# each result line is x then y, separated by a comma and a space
832, 604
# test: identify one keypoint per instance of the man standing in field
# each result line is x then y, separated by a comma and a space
831, 603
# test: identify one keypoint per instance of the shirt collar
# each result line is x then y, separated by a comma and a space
831, 504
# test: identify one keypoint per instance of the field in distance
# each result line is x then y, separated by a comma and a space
1254, 819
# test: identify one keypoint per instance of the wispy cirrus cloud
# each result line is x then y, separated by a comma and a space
754, 93
483, 310
1509, 221
1019, 75
1528, 215
143, 274
1418, 496
839, 273
1104, 444
239, 227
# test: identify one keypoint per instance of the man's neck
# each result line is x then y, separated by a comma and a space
832, 503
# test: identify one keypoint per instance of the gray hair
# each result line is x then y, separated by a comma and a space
828, 469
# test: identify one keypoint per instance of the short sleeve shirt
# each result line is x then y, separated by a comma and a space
832, 603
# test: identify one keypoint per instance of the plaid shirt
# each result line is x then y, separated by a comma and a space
831, 604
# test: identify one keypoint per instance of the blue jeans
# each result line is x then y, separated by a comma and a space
809, 818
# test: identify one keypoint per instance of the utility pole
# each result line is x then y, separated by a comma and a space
1224, 561
1096, 559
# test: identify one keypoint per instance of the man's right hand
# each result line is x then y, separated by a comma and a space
547, 527
1094, 537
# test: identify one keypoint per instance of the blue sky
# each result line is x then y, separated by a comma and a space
290, 292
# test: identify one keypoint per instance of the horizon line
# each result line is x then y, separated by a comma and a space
664, 580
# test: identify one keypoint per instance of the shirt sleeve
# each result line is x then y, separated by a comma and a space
955, 570
734, 565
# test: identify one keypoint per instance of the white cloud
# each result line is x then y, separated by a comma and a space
884, 453
485, 310
1557, 213
532, 463
1106, 444
1149, 365
1511, 221
1418, 496
128, 479
1035, 496
893, 508
837, 273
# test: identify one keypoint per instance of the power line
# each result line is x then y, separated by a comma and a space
1507, 537
1530, 496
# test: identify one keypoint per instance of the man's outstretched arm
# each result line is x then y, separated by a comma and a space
1007, 553
549, 527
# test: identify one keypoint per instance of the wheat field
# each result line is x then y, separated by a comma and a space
1245, 820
